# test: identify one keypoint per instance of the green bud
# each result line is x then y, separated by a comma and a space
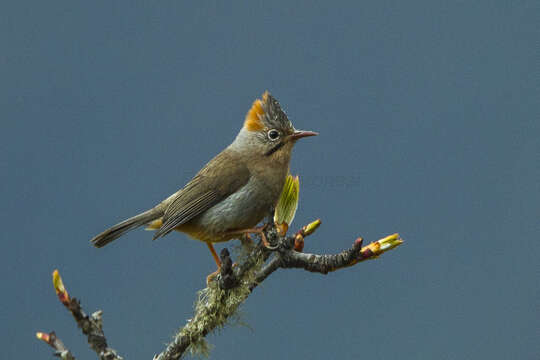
311, 227
288, 201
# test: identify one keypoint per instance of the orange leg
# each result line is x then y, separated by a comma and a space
214, 254
260, 231
216, 259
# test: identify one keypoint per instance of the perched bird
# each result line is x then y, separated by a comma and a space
233, 192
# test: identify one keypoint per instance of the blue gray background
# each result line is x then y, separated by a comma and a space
428, 119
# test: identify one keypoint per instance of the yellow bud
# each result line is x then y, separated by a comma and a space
380, 246
390, 242
59, 287
311, 227
43, 336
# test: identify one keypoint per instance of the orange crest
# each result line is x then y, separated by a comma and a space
253, 120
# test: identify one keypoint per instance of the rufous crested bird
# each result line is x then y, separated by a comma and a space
234, 191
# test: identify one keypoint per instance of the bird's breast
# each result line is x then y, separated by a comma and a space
242, 210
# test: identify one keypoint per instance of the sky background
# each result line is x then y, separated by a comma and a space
429, 126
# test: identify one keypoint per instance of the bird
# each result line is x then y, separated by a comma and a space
234, 191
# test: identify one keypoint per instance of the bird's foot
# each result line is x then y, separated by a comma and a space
212, 276
260, 232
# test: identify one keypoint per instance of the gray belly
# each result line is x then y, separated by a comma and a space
241, 210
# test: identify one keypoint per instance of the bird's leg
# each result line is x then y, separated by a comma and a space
216, 259
257, 230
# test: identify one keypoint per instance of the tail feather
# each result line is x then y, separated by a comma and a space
120, 229
154, 225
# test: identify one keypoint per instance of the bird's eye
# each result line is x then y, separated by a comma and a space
273, 134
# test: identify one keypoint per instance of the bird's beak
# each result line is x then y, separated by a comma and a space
298, 134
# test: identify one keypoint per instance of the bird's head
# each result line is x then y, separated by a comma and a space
267, 131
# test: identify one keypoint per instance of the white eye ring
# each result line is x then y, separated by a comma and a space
273, 134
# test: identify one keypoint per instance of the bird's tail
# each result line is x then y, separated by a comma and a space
120, 229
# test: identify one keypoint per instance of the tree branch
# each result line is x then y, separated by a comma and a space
220, 300
91, 326
217, 303
53, 341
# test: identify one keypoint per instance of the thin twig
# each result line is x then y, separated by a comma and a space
53, 341
91, 326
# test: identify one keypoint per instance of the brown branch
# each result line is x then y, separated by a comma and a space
91, 326
266, 270
234, 284
53, 341
325, 263
218, 302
